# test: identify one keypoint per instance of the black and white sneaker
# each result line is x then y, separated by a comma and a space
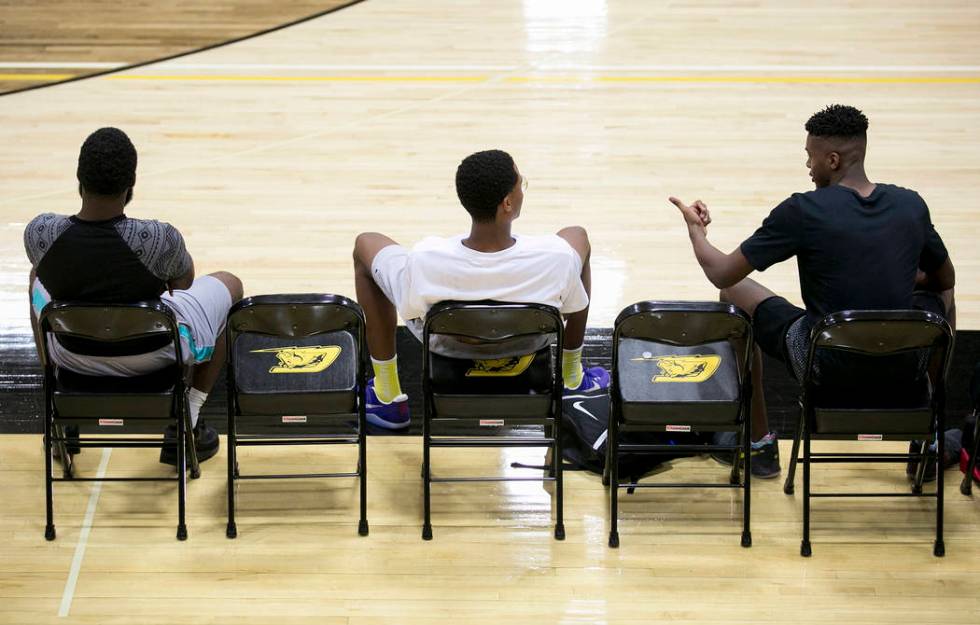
205, 438
765, 454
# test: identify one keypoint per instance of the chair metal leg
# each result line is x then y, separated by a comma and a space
49, 532
556, 468
939, 549
920, 468
191, 441
181, 478
426, 478
788, 486
805, 548
362, 524
747, 487
231, 531
966, 486
613, 443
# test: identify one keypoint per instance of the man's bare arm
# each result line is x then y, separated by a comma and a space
183, 282
722, 270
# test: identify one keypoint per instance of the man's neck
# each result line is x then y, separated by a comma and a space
98, 208
856, 179
489, 237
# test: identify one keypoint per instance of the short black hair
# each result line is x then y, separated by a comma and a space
483, 180
838, 120
107, 162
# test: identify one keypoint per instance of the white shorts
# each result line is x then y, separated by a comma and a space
201, 312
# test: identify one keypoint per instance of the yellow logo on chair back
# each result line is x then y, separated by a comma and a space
682, 368
312, 359
500, 367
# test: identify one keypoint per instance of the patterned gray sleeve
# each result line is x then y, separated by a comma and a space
158, 245
41, 233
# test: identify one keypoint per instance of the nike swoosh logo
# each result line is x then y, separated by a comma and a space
578, 406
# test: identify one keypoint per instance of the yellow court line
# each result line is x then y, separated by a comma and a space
36, 76
692, 79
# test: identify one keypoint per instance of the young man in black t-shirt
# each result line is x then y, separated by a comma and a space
858, 245
101, 255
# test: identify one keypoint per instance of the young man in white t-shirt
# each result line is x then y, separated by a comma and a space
489, 263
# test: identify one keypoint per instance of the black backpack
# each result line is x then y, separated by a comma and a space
585, 417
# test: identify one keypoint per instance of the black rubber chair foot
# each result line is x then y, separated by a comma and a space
966, 486
195, 474
939, 550
789, 489
916, 489
805, 549
181, 532
614, 540
362, 527
746, 539
605, 479
426, 532
560, 532
49, 532
231, 531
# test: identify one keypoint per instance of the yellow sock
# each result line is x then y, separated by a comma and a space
386, 385
571, 367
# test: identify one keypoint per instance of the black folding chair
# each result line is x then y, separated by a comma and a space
874, 376
296, 376
481, 397
82, 411
681, 367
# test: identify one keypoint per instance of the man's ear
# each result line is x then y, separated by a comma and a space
833, 159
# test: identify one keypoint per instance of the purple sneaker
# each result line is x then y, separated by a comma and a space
391, 416
593, 379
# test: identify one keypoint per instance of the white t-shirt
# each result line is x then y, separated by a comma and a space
534, 270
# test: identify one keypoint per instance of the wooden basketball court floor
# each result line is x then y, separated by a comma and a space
272, 153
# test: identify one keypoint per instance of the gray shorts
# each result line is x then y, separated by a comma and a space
201, 312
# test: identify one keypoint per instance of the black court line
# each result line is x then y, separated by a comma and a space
210, 46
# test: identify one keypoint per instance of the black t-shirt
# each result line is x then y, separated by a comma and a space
118, 260
853, 252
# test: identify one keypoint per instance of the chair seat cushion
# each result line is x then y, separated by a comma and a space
670, 384
296, 376
110, 397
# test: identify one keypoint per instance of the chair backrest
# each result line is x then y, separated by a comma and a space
308, 346
490, 321
109, 323
120, 404
878, 358
490, 324
687, 325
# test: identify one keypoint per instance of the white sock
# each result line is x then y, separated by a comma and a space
195, 399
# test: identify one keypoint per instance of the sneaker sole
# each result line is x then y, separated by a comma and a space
388, 425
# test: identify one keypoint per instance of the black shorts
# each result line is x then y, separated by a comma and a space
770, 324
782, 330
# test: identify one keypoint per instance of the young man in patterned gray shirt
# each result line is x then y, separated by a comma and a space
101, 255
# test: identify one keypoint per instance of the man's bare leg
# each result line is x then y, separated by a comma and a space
575, 323
206, 373
382, 319
747, 295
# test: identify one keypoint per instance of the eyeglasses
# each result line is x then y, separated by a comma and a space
523, 183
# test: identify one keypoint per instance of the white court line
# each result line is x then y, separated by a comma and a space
76, 563
541, 67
